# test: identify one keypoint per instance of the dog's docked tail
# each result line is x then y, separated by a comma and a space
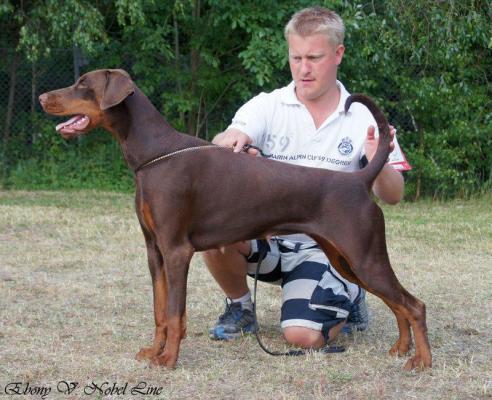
371, 171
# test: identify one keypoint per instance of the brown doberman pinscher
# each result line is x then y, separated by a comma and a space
193, 196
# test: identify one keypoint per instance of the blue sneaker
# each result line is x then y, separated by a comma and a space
233, 323
359, 315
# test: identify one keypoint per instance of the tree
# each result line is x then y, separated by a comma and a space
197, 55
430, 63
34, 27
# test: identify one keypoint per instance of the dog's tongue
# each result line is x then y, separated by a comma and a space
73, 124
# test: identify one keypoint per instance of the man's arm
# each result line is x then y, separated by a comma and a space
251, 118
389, 185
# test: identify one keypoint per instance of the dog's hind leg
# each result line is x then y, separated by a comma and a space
410, 311
377, 276
374, 273
404, 341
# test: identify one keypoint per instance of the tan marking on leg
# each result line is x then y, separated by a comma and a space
160, 310
147, 217
169, 356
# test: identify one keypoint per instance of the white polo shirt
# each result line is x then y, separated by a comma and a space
282, 126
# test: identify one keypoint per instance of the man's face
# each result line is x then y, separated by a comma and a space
313, 63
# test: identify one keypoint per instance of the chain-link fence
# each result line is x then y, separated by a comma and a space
21, 82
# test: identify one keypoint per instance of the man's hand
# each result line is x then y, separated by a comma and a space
389, 185
371, 143
235, 139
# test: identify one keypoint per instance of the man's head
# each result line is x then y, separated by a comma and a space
315, 38
314, 20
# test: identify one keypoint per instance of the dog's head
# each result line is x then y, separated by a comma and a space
87, 100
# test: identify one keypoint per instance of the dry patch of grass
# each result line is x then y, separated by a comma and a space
76, 305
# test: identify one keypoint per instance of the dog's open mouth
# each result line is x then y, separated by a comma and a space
74, 125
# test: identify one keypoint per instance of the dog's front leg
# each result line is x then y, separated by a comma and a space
176, 267
159, 286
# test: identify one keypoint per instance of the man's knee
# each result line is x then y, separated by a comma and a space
212, 254
304, 337
217, 255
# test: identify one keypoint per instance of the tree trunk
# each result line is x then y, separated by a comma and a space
418, 186
194, 64
177, 66
417, 127
10, 104
33, 101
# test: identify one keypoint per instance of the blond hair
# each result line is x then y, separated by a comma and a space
313, 20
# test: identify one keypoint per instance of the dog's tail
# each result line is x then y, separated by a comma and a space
371, 171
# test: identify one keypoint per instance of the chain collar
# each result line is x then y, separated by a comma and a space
165, 156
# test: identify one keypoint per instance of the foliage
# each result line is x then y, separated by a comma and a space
94, 162
38, 26
428, 63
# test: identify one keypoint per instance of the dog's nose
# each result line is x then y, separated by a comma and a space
43, 99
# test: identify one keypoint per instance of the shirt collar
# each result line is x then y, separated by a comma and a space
288, 96
344, 95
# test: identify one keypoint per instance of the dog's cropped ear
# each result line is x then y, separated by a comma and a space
118, 87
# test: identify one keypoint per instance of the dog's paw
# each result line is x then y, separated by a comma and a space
400, 349
417, 363
166, 359
147, 353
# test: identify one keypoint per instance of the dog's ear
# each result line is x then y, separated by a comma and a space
119, 86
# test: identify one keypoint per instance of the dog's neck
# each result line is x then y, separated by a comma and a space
143, 133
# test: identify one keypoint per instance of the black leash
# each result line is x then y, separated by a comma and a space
292, 352
246, 147
261, 256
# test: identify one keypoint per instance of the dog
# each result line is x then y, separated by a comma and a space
193, 196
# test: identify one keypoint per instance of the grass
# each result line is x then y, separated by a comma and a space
76, 304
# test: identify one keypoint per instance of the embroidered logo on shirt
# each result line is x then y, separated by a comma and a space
345, 147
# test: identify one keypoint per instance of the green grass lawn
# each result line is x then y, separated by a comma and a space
76, 304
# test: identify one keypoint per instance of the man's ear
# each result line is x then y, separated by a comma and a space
339, 52
119, 86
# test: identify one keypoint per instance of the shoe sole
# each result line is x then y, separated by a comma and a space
229, 336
